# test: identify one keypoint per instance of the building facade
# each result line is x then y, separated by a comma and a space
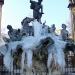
71, 6
1, 3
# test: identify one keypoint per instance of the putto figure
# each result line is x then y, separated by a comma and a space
37, 9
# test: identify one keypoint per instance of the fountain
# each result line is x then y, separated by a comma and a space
42, 51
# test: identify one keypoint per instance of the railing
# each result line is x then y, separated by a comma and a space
69, 70
70, 67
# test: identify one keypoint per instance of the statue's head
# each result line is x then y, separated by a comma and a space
39, 1
53, 27
64, 26
25, 20
9, 27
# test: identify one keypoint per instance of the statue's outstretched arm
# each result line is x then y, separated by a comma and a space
32, 1
42, 9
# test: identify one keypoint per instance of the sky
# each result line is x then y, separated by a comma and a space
14, 11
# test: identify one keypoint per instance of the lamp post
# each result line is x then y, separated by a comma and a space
1, 4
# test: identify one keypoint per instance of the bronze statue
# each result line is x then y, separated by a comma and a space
64, 32
25, 22
37, 9
53, 28
25, 25
13, 34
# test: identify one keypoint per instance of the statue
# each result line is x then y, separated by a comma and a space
64, 32
45, 28
13, 33
25, 25
47, 48
37, 9
53, 28
18, 35
25, 22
